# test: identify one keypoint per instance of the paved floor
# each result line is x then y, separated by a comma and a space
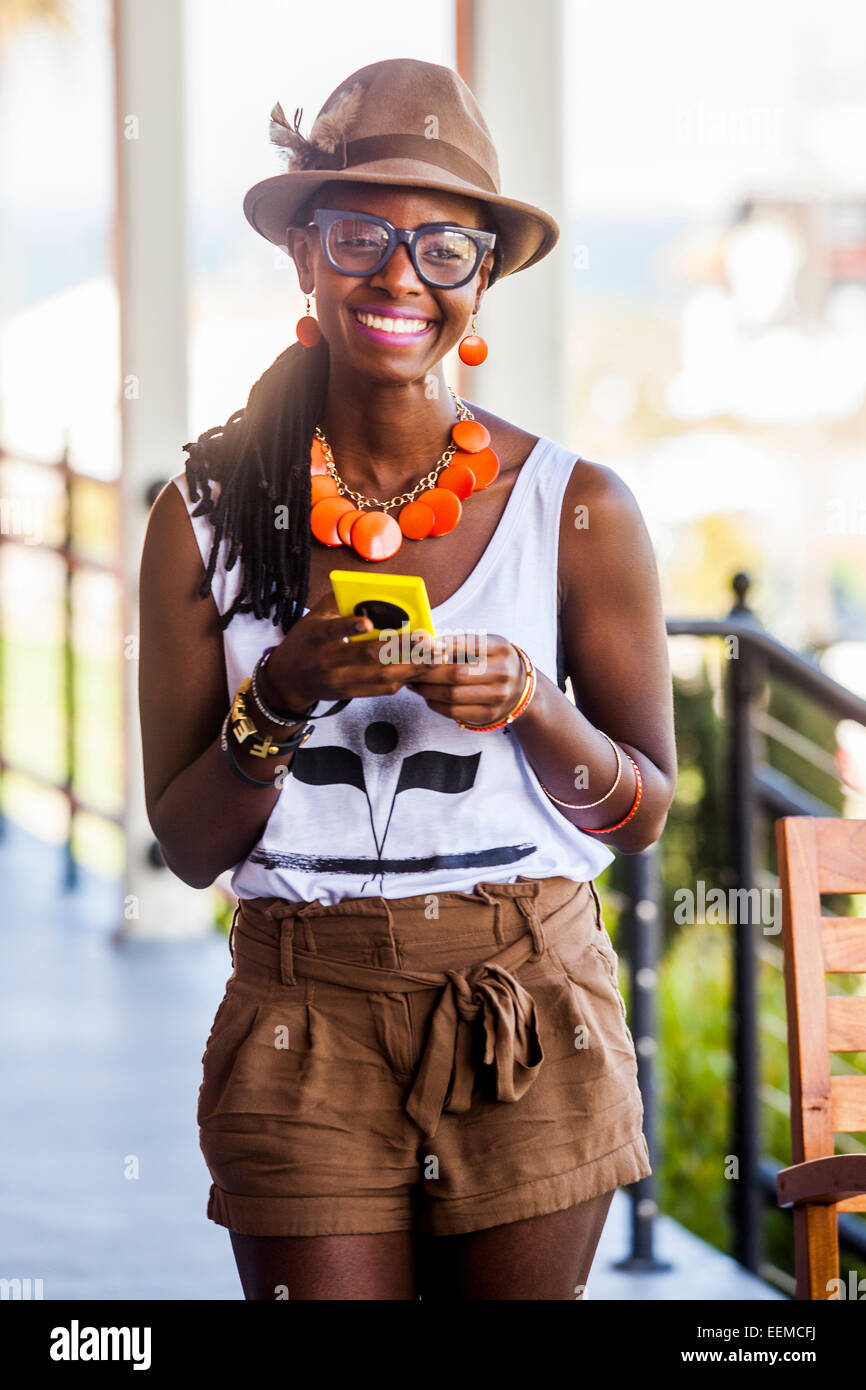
697, 1270
102, 1185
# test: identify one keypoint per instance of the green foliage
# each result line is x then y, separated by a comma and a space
694, 1079
694, 845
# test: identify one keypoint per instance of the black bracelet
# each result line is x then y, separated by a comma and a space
335, 709
273, 715
225, 745
285, 716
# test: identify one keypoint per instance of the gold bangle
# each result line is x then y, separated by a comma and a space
519, 705
241, 723
246, 731
570, 805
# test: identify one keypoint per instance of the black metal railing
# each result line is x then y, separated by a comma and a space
752, 787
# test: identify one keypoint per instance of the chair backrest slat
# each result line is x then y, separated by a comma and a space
846, 1023
841, 854
848, 1097
844, 944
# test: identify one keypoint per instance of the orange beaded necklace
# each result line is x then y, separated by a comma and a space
341, 516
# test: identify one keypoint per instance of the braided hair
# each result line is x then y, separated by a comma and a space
261, 459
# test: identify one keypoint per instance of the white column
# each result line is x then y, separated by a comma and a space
152, 282
515, 64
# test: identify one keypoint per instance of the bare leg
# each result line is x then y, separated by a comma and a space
543, 1257
326, 1267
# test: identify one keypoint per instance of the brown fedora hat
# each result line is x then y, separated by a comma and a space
402, 123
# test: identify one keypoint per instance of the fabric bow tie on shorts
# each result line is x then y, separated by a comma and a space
483, 1018
485, 1004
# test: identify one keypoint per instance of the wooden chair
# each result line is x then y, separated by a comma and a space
818, 856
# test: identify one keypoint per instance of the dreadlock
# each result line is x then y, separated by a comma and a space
261, 456
263, 452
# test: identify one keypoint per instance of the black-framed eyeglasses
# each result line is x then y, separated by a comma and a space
444, 256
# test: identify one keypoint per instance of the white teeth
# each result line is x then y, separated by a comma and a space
392, 325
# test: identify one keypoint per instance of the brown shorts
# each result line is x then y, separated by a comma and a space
442, 1063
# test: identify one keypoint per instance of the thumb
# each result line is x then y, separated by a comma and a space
348, 627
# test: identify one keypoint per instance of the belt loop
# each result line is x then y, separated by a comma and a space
529, 907
287, 963
479, 891
497, 922
493, 900
389, 918
598, 917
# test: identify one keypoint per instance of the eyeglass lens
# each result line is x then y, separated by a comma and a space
445, 256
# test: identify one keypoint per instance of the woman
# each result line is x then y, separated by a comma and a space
420, 1081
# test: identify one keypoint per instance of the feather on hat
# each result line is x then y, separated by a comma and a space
330, 129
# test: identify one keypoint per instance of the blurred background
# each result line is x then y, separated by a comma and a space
700, 328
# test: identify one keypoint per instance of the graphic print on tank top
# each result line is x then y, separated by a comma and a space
389, 798
381, 762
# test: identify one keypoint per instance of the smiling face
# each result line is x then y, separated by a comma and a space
359, 316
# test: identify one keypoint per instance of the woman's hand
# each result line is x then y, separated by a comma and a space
314, 662
479, 679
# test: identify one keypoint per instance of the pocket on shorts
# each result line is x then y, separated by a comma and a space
256, 1047
591, 971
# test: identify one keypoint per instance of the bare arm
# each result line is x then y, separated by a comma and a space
204, 817
616, 654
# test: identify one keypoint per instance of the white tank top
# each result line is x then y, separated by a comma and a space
388, 798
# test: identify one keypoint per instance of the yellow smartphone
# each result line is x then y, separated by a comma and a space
392, 602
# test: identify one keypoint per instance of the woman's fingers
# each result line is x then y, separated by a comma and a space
476, 692
470, 714
463, 675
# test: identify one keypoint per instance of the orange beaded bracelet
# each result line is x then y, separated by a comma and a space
526, 695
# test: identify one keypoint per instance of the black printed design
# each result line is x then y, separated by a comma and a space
438, 772
322, 863
382, 777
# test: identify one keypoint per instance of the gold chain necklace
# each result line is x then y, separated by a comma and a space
429, 480
341, 516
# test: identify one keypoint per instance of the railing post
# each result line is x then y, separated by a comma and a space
642, 938
747, 1195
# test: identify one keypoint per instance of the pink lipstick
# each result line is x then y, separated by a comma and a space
375, 322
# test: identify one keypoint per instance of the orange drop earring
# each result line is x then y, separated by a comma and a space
307, 329
472, 349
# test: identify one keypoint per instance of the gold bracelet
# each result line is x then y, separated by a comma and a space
570, 805
520, 704
247, 732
